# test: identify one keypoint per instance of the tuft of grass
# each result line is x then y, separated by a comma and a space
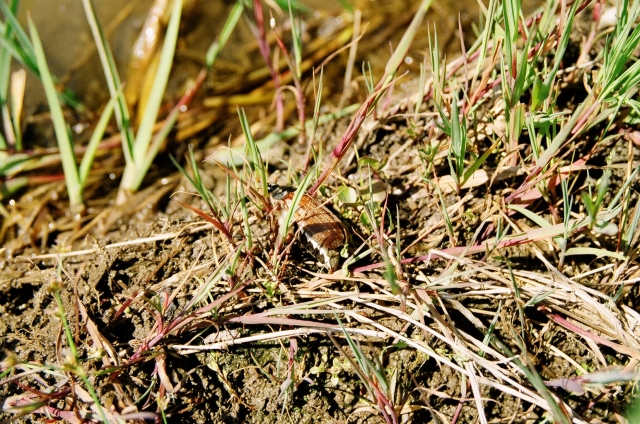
373, 376
144, 148
141, 148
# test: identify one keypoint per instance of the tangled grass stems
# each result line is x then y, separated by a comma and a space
521, 176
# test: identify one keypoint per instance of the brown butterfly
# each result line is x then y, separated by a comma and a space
324, 231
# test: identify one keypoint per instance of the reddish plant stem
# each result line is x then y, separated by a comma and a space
181, 321
347, 139
589, 335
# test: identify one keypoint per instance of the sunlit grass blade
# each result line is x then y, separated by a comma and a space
390, 70
18, 89
314, 124
405, 42
487, 33
510, 13
296, 34
631, 231
74, 186
254, 151
94, 141
297, 198
229, 25
113, 79
459, 140
5, 72
22, 46
143, 136
135, 170
600, 253
623, 43
434, 56
540, 221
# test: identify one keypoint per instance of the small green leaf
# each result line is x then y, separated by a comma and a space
348, 195
589, 206
539, 94
401, 344
531, 215
364, 219
392, 279
374, 163
344, 253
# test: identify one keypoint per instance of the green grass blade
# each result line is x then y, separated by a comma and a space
487, 33
215, 48
510, 11
23, 50
631, 229
196, 180
254, 150
296, 35
534, 378
434, 56
94, 141
297, 198
314, 121
142, 155
74, 188
600, 253
359, 355
245, 218
458, 146
403, 46
143, 137
622, 45
136, 170
542, 223
235, 155
478, 163
113, 79
5, 70
22, 40
12, 47
562, 45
